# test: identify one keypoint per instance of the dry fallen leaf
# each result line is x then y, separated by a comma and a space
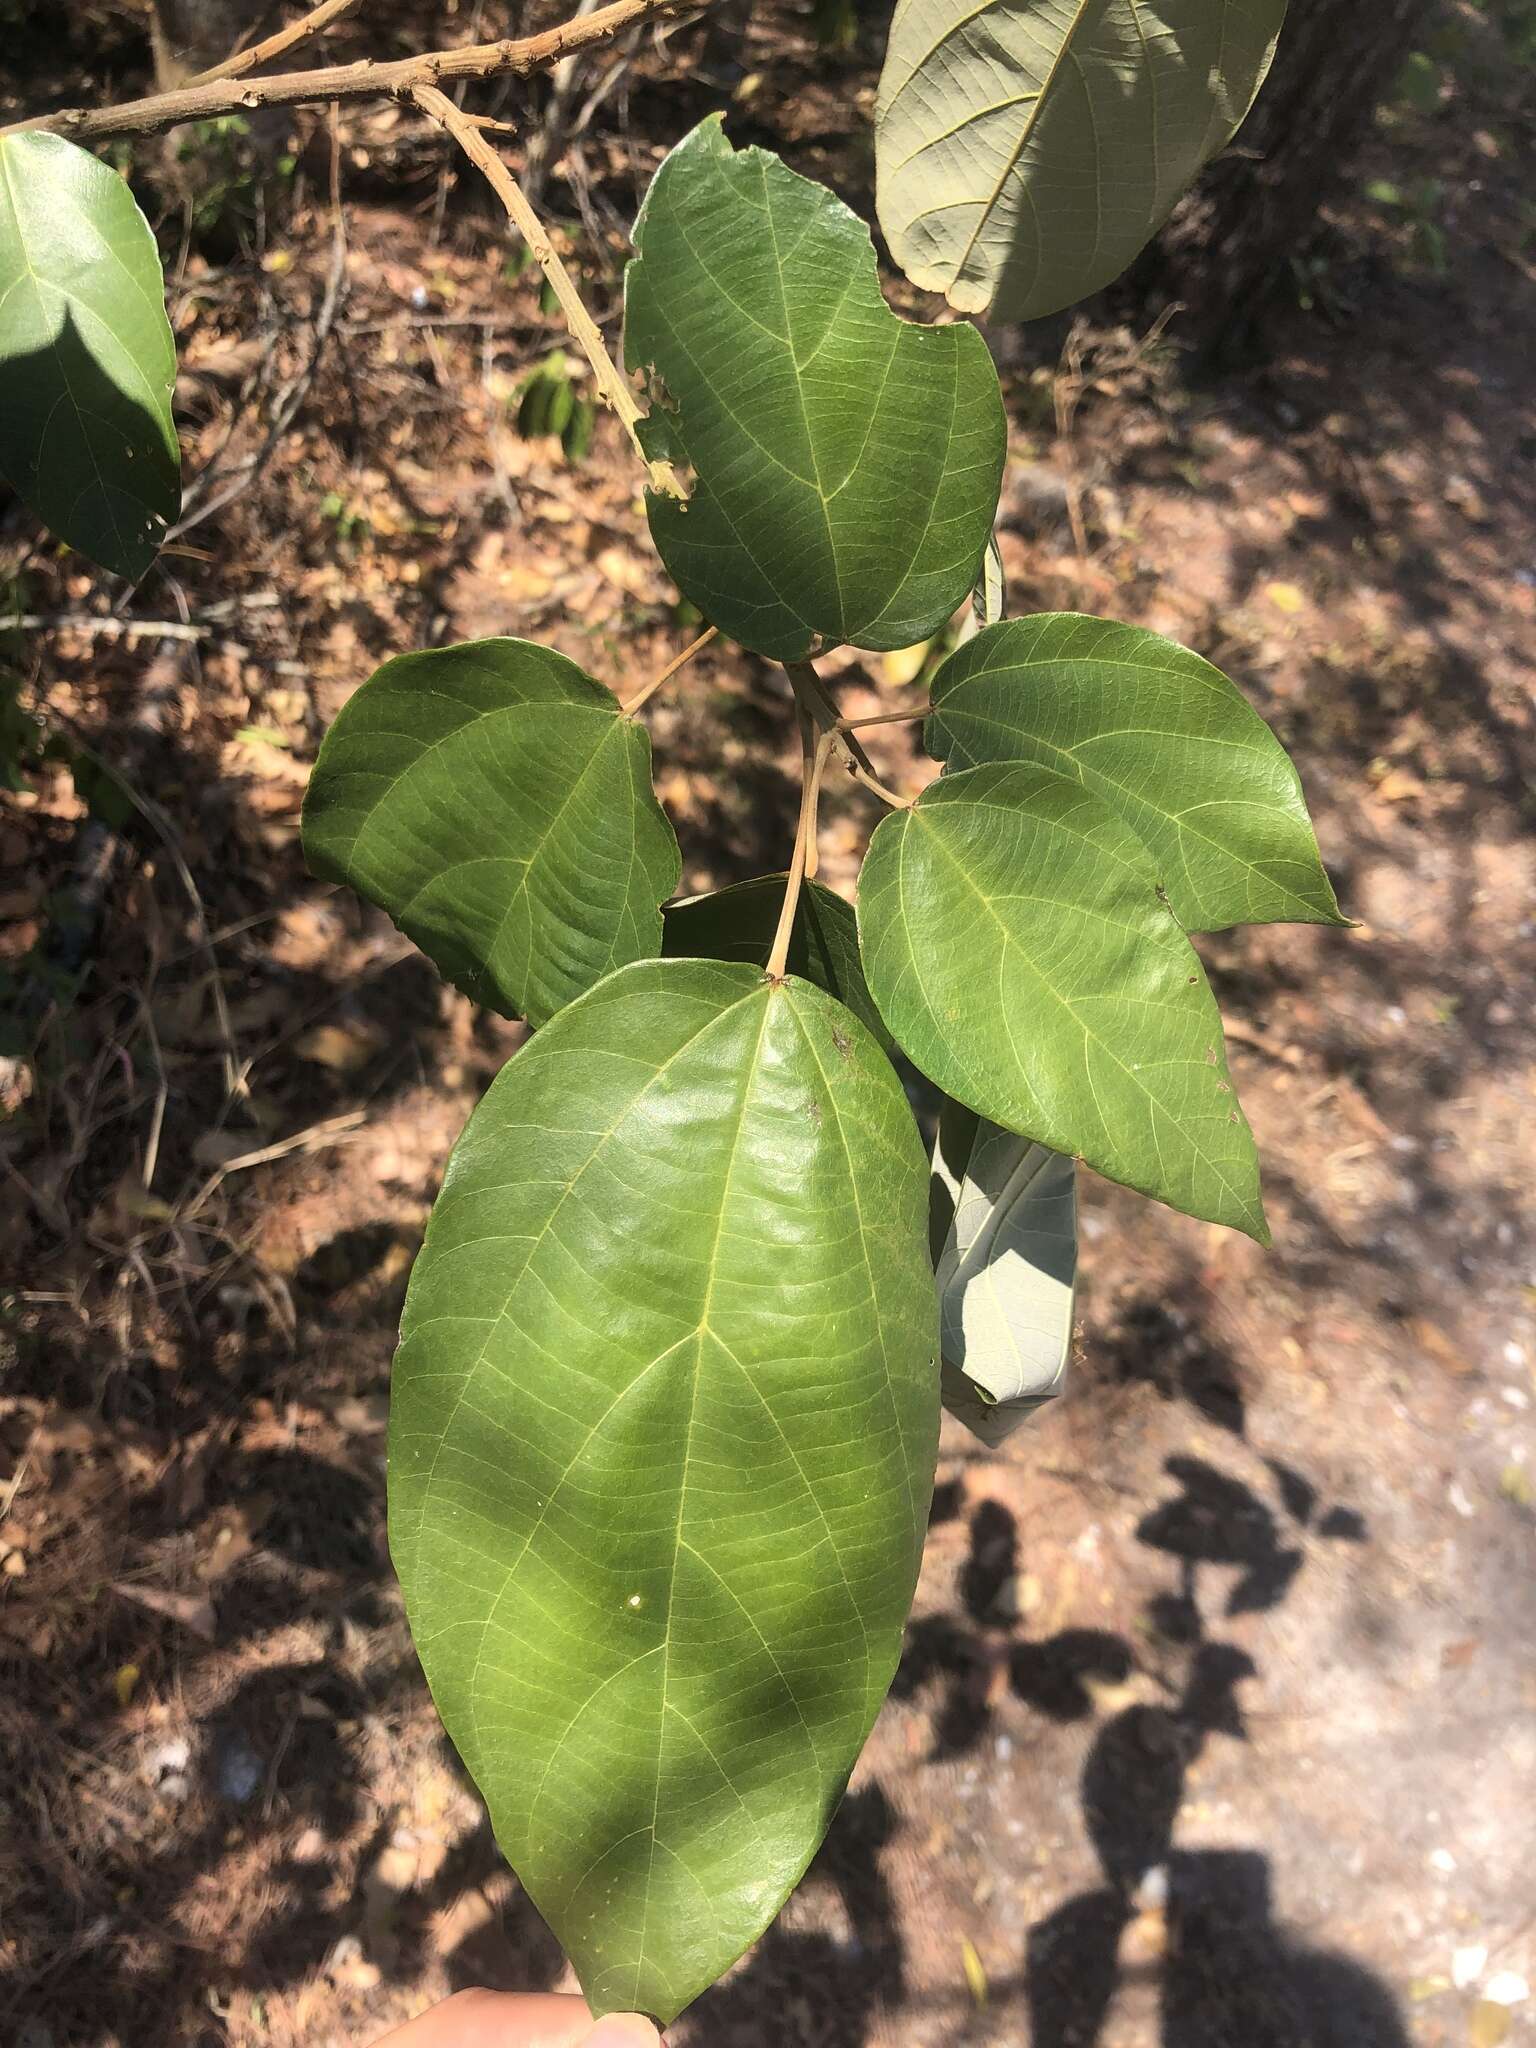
345, 1049
1490, 2024
191, 1611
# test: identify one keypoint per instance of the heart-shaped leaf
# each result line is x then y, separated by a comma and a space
661, 1448
1167, 742
846, 463
492, 798
1025, 150
739, 923
86, 356
1018, 949
1003, 1212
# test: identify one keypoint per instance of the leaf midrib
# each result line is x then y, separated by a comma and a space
1026, 134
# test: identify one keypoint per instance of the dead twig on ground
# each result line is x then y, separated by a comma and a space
334, 1131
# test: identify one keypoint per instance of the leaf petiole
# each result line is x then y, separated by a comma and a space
814, 749
671, 669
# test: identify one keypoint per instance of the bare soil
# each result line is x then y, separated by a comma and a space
1217, 1722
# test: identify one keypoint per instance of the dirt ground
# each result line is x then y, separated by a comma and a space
1217, 1722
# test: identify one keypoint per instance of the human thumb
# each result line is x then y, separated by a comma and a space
623, 2030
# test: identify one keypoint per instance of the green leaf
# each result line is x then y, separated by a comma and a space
662, 1442
1164, 739
739, 923
495, 802
846, 463
1016, 944
1003, 1215
86, 356
1025, 150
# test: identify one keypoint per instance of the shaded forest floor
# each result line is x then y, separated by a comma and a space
1217, 1724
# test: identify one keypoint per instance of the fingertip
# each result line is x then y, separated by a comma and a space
623, 2030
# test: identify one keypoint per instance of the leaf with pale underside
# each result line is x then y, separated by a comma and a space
494, 801
1026, 150
845, 463
1015, 941
1167, 742
87, 361
1003, 1219
740, 923
661, 1449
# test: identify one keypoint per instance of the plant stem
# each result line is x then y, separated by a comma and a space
278, 44
367, 79
813, 699
669, 671
883, 718
615, 392
813, 757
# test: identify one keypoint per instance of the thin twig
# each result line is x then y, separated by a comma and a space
517, 56
814, 749
332, 1132
111, 629
162, 1097
669, 671
278, 44
583, 327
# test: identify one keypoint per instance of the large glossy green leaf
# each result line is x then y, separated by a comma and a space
1164, 738
495, 802
1016, 944
846, 463
86, 356
1025, 150
739, 923
662, 1441
1003, 1216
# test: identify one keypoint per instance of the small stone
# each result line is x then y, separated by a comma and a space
167, 1760
1506, 1987
1442, 1859
1468, 1964
239, 1771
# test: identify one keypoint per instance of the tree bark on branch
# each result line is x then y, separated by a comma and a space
367, 79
